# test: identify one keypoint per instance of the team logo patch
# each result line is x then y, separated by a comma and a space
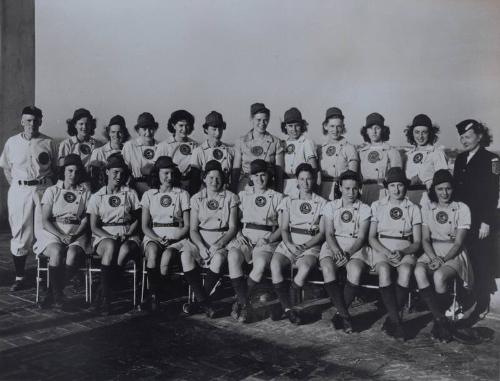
185, 149
396, 213
43, 158
257, 150
212, 204
69, 197
305, 208
165, 201
442, 217
260, 201
330, 151
85, 149
148, 153
290, 148
374, 156
346, 216
418, 158
114, 201
495, 166
217, 153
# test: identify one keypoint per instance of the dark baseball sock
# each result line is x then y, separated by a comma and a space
211, 280
193, 278
295, 291
429, 297
240, 288
401, 295
153, 279
444, 301
70, 272
251, 285
106, 280
337, 297
350, 292
389, 300
19, 265
282, 291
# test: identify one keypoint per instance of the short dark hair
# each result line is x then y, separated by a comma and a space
123, 129
177, 116
72, 122
433, 134
305, 167
386, 131
81, 174
154, 177
304, 125
433, 196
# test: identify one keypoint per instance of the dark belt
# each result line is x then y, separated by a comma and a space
451, 240
328, 178
32, 182
346, 236
404, 238
116, 223
168, 225
373, 181
225, 229
142, 179
417, 187
303, 231
267, 228
66, 220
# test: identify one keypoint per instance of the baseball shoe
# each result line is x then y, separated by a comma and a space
18, 285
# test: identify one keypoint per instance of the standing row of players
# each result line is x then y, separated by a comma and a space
143, 156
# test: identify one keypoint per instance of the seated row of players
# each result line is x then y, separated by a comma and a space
332, 158
275, 232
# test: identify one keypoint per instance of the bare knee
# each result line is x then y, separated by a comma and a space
217, 262
354, 271
404, 274
384, 274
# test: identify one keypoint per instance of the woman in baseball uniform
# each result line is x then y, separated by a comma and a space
335, 156
445, 226
376, 157
347, 221
424, 159
179, 146
65, 227
116, 134
259, 236
211, 149
81, 129
213, 224
299, 149
165, 221
139, 153
257, 144
302, 234
395, 238
114, 218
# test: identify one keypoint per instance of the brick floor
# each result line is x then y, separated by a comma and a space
77, 345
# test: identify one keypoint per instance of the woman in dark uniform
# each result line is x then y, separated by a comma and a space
476, 176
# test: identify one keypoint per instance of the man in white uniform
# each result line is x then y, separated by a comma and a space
29, 162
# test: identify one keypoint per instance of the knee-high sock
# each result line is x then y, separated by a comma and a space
250, 286
402, 295
211, 280
70, 272
350, 292
389, 300
282, 290
106, 280
429, 296
337, 297
154, 279
295, 291
193, 278
240, 288
19, 265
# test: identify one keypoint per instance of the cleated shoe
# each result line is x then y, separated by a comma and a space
18, 285
276, 312
293, 316
245, 314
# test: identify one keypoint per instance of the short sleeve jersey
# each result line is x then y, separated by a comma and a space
376, 160
180, 152
204, 153
260, 208
166, 207
82, 149
395, 220
304, 214
138, 156
29, 159
297, 152
214, 212
334, 158
115, 207
424, 162
443, 222
252, 148
102, 153
347, 219
67, 203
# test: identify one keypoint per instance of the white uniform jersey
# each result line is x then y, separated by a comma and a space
297, 152
334, 159
180, 152
139, 157
252, 148
204, 153
377, 159
102, 153
82, 149
424, 162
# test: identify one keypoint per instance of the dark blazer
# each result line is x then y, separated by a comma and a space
476, 184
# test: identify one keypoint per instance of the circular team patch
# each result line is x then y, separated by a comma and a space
114, 201
257, 150
442, 217
85, 149
418, 158
212, 204
43, 158
305, 208
165, 201
217, 153
374, 156
148, 153
346, 216
330, 151
185, 149
290, 148
69, 197
396, 213
260, 201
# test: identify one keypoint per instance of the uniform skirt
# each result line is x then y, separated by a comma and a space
45, 238
344, 243
188, 246
298, 239
246, 240
372, 257
162, 231
119, 229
